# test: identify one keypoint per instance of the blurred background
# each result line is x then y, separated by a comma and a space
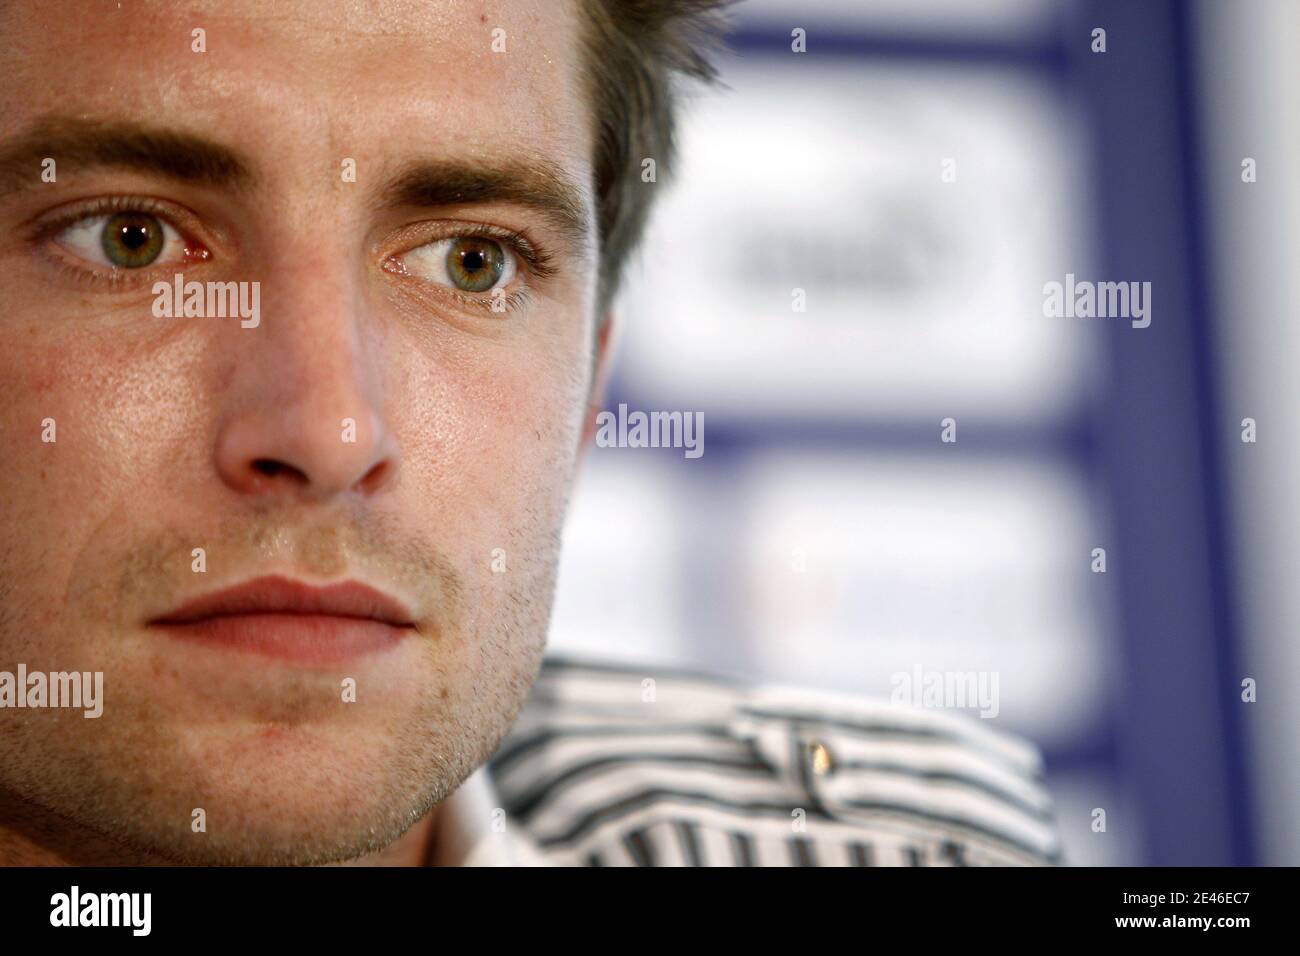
920, 172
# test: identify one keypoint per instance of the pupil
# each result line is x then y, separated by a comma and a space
472, 261
135, 236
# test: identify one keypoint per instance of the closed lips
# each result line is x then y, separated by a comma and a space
279, 595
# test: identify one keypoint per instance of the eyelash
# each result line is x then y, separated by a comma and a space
47, 230
539, 263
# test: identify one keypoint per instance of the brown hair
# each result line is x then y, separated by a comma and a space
636, 52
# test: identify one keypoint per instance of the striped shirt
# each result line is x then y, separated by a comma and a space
621, 766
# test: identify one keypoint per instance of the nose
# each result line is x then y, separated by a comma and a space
303, 414
307, 452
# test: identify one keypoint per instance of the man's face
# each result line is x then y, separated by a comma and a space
380, 423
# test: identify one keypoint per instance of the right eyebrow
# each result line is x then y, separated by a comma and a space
531, 182
85, 144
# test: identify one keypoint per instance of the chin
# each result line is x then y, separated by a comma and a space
251, 796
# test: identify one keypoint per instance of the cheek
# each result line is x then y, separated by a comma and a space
489, 450
117, 417
492, 437
45, 485
48, 403
496, 417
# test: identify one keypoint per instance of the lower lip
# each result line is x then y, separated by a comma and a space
301, 638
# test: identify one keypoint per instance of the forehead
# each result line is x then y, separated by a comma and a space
360, 79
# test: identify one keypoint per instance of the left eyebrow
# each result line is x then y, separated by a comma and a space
537, 185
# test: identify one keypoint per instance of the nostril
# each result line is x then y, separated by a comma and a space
274, 469
376, 476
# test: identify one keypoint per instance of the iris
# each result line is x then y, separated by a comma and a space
475, 264
132, 240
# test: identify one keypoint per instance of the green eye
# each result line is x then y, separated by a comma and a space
132, 240
472, 264
475, 264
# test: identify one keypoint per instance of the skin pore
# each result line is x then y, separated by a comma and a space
197, 432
